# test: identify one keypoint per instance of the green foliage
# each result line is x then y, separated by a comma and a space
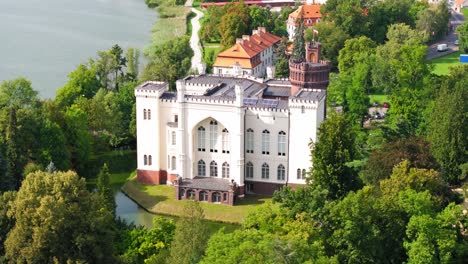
133, 60
190, 236
6, 222
78, 138
104, 189
334, 148
349, 15
82, 82
234, 23
169, 61
448, 123
298, 52
382, 160
462, 32
17, 93
332, 39
57, 218
209, 31
282, 60
109, 68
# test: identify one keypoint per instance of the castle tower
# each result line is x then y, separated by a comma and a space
312, 73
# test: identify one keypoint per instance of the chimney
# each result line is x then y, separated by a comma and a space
246, 37
239, 40
262, 29
255, 32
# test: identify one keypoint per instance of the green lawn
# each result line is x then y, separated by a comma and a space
160, 199
380, 98
465, 12
442, 64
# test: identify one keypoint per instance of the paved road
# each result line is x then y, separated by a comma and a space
456, 20
194, 39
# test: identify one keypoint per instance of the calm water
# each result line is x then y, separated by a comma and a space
131, 212
43, 40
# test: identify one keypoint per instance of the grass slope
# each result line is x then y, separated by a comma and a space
160, 199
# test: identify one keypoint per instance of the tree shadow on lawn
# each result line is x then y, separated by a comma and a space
253, 199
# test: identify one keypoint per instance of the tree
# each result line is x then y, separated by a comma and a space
104, 189
282, 60
332, 39
448, 123
462, 32
57, 219
82, 82
190, 236
335, 147
78, 138
209, 31
349, 15
382, 160
132, 56
6, 222
234, 23
298, 53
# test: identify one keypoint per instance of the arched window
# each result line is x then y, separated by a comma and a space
203, 196
213, 169
144, 114
201, 168
225, 173
173, 163
173, 138
265, 171
213, 135
281, 172
249, 170
250, 141
150, 160
216, 198
282, 143
145, 160
201, 138
304, 173
149, 114
225, 141
191, 194
266, 142
298, 174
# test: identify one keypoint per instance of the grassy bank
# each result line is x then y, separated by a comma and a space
159, 199
120, 163
442, 64
465, 12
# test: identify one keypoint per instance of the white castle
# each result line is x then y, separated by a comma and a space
219, 138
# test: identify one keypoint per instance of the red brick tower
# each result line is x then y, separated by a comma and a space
312, 73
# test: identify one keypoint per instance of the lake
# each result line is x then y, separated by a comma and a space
44, 40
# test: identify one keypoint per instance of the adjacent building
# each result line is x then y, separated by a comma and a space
310, 15
250, 56
219, 138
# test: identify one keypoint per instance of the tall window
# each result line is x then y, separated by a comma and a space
302, 109
213, 135
176, 118
249, 172
265, 171
250, 141
201, 168
149, 114
282, 143
225, 141
225, 170
281, 172
144, 114
299, 175
201, 138
173, 138
150, 160
173, 163
145, 160
266, 142
213, 169
216, 197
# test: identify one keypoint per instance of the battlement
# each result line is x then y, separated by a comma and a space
153, 89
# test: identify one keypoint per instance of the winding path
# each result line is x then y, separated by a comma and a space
194, 39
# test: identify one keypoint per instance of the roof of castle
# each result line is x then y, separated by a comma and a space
206, 183
247, 48
307, 11
273, 93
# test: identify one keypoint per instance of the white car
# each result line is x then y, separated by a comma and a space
456, 42
442, 47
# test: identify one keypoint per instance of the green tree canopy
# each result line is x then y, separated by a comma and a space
57, 219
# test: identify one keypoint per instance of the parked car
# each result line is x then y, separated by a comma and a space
456, 42
442, 47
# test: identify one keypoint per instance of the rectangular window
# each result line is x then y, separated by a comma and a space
225, 141
201, 139
249, 173
266, 142
250, 141
213, 136
282, 144
173, 137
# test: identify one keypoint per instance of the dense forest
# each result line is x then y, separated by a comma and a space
378, 192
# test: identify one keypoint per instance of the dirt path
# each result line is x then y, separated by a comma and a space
194, 39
